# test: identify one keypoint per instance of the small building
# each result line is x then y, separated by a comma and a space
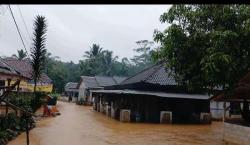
152, 95
24, 67
8, 74
71, 90
88, 83
217, 106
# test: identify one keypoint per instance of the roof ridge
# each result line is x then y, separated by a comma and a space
159, 62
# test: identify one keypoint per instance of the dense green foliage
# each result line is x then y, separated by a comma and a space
38, 50
11, 125
206, 46
97, 61
61, 72
104, 63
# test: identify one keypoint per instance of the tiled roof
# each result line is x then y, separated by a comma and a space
5, 68
119, 79
22, 66
25, 69
105, 81
90, 82
157, 74
71, 85
45, 78
101, 81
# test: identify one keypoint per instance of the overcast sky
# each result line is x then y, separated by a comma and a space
72, 29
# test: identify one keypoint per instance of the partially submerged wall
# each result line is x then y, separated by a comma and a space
236, 134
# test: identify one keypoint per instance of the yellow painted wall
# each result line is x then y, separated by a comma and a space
41, 88
30, 87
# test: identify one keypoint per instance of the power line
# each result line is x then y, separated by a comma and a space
18, 30
24, 22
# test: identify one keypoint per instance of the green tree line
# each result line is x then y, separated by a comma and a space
95, 61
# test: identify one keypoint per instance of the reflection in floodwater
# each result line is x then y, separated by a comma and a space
79, 125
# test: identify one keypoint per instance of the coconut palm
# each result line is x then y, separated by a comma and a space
38, 50
108, 60
94, 51
21, 54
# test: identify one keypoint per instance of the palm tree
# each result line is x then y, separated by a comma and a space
21, 54
95, 51
108, 60
38, 50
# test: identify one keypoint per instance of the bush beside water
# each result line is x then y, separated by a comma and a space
12, 125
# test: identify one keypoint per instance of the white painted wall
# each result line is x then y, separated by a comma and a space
82, 89
216, 109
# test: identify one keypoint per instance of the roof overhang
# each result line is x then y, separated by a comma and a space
158, 94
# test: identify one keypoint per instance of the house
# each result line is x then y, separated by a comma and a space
218, 104
88, 83
7, 74
24, 68
71, 89
152, 95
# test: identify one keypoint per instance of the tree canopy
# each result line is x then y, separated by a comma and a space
96, 61
21, 54
206, 46
99, 61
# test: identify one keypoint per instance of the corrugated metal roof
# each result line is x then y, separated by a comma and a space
158, 94
156, 74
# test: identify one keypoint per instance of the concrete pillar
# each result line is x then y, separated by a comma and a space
108, 110
101, 107
125, 115
98, 107
94, 106
166, 117
205, 118
112, 112
104, 108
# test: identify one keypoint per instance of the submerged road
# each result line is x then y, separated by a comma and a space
80, 125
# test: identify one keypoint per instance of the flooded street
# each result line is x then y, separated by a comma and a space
80, 125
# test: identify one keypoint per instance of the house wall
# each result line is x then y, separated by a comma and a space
217, 110
25, 86
23, 81
29, 87
81, 90
150, 107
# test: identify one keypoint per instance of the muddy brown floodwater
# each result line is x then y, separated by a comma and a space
80, 125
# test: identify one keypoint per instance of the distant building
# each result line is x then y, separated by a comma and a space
71, 90
152, 95
24, 69
88, 83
